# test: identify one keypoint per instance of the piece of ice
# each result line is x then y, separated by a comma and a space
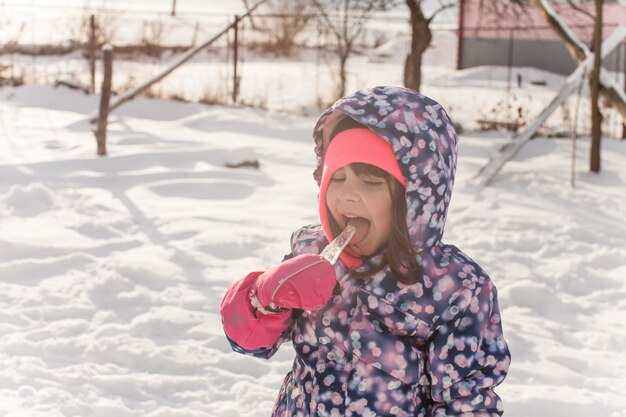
334, 248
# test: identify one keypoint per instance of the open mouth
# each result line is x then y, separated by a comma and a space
361, 225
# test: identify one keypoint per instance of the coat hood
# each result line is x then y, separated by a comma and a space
425, 145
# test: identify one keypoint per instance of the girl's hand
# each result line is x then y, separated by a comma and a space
303, 282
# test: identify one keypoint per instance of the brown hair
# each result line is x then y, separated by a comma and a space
399, 253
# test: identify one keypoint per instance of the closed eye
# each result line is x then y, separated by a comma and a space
372, 180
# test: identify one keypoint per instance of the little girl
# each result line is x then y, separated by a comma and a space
402, 324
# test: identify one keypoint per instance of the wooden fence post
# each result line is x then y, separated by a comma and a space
92, 53
105, 96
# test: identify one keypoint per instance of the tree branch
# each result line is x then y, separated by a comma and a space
247, 6
443, 6
578, 49
580, 9
329, 23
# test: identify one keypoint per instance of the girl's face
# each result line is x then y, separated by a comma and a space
366, 197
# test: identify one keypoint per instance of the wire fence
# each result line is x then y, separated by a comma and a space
287, 62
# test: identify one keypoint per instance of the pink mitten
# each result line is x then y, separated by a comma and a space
305, 282
241, 322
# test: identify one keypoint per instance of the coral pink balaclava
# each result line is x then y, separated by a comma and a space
355, 145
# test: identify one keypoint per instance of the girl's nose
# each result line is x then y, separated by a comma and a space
350, 193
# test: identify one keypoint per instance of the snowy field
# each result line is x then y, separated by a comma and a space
112, 269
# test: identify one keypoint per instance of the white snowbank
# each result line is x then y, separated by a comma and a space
112, 269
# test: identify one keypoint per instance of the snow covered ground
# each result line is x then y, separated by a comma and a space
112, 269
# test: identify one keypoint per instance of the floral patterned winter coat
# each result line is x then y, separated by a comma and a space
380, 347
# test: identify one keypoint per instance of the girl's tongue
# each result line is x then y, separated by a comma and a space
362, 226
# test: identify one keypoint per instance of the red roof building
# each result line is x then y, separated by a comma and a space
503, 33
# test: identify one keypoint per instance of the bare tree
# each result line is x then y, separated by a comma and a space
345, 22
284, 22
421, 36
